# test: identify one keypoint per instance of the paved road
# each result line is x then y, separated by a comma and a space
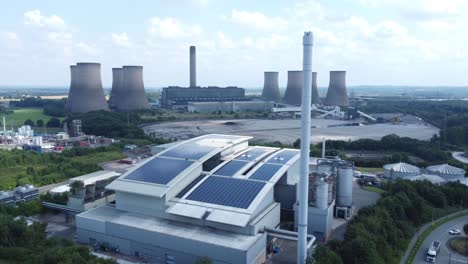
441, 234
459, 156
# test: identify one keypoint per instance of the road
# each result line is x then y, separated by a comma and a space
459, 156
446, 255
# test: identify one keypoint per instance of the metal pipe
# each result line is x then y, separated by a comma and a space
305, 146
323, 148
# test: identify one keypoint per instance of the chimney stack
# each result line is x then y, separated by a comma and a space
193, 67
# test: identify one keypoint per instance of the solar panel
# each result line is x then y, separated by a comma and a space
190, 186
159, 170
187, 151
252, 154
265, 172
230, 168
227, 191
283, 156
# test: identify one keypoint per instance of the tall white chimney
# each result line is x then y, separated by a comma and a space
305, 146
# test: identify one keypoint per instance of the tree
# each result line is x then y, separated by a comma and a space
40, 123
203, 260
465, 229
323, 255
29, 122
54, 122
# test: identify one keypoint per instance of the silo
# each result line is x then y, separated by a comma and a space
72, 87
133, 90
117, 92
315, 93
270, 87
336, 94
88, 94
293, 94
344, 196
321, 200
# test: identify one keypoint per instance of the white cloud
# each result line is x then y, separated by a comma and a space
170, 28
225, 42
258, 20
35, 18
121, 39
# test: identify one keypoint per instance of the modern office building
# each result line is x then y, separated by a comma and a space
213, 196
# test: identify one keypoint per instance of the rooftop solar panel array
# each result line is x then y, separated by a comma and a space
188, 151
190, 186
230, 168
252, 154
227, 191
283, 156
159, 170
265, 172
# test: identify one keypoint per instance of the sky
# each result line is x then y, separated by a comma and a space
378, 42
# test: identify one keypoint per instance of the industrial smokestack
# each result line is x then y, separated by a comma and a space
117, 92
72, 87
305, 147
86, 92
133, 90
315, 93
270, 87
336, 94
293, 92
193, 66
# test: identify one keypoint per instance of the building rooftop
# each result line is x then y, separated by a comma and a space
445, 169
92, 178
402, 167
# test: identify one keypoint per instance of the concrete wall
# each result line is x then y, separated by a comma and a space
140, 204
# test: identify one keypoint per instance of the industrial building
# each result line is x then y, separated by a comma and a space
19, 194
447, 172
211, 196
174, 97
86, 93
128, 90
400, 170
336, 93
271, 90
230, 107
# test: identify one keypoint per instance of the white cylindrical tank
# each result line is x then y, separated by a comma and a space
321, 200
400, 170
448, 172
344, 195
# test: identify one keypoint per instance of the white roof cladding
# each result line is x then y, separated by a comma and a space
445, 169
402, 167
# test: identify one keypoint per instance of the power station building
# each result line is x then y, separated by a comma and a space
174, 97
230, 107
213, 196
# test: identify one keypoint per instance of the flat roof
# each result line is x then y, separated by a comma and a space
202, 234
91, 178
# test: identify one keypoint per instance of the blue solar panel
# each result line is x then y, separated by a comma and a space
252, 154
190, 186
265, 172
159, 170
230, 168
188, 152
227, 191
283, 156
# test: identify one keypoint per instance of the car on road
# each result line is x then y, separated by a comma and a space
454, 231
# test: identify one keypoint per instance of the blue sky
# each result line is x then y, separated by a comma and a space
391, 42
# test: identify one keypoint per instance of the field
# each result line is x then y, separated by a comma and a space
20, 115
370, 170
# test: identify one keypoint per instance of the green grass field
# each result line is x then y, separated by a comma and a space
373, 189
20, 115
371, 170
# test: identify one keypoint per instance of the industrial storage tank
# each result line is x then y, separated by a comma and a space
271, 90
400, 170
293, 93
321, 194
447, 172
337, 94
86, 91
344, 194
315, 93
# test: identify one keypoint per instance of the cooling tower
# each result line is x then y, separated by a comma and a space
86, 90
293, 94
315, 93
193, 67
133, 90
270, 87
336, 94
117, 91
72, 87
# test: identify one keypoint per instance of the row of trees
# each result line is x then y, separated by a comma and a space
55, 108
381, 233
53, 122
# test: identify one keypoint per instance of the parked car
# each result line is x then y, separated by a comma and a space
454, 231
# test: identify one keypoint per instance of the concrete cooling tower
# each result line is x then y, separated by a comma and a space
133, 90
336, 94
72, 87
293, 94
315, 93
117, 87
86, 93
270, 87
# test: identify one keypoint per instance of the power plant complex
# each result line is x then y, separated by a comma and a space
128, 90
